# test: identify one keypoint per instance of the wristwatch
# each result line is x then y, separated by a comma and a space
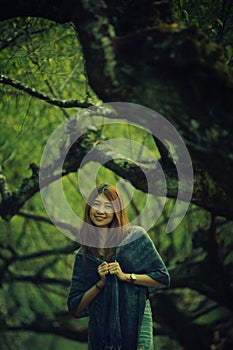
133, 278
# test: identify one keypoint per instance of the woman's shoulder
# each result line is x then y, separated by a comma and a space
134, 233
139, 233
136, 230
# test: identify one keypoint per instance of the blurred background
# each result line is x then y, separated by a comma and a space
173, 56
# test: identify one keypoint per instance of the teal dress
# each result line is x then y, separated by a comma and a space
145, 341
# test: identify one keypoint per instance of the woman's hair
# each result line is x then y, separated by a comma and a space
118, 226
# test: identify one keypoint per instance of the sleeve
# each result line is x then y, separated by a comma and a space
141, 256
78, 287
158, 270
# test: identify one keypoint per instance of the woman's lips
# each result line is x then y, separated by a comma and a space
99, 218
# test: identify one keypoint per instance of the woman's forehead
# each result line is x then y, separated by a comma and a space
102, 198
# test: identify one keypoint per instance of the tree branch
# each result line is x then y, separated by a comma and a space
34, 217
190, 335
61, 328
36, 279
206, 193
33, 92
201, 276
44, 253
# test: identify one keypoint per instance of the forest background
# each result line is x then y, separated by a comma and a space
58, 59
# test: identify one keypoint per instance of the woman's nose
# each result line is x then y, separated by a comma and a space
100, 209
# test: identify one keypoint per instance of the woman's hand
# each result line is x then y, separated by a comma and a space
102, 271
115, 269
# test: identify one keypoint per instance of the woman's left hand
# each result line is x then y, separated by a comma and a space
115, 269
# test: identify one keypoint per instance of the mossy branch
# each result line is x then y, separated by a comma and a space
33, 92
206, 194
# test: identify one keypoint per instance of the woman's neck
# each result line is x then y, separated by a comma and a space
101, 252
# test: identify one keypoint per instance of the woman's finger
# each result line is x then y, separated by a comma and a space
103, 269
113, 264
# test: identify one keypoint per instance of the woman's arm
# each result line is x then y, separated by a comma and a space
141, 279
89, 296
91, 293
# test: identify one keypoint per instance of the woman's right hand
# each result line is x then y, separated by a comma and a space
102, 271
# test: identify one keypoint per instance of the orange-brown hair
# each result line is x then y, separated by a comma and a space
118, 226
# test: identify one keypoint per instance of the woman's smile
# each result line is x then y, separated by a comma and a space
99, 218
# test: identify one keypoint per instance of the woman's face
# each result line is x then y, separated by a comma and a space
101, 212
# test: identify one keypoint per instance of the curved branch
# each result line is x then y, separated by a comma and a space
207, 194
34, 217
64, 250
36, 279
202, 277
33, 92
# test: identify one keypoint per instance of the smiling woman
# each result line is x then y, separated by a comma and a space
105, 221
113, 278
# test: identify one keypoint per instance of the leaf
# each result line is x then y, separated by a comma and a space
220, 22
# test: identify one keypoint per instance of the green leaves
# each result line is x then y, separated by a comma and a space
214, 18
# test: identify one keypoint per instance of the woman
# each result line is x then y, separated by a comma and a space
113, 275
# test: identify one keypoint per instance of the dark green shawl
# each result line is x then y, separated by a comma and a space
115, 315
